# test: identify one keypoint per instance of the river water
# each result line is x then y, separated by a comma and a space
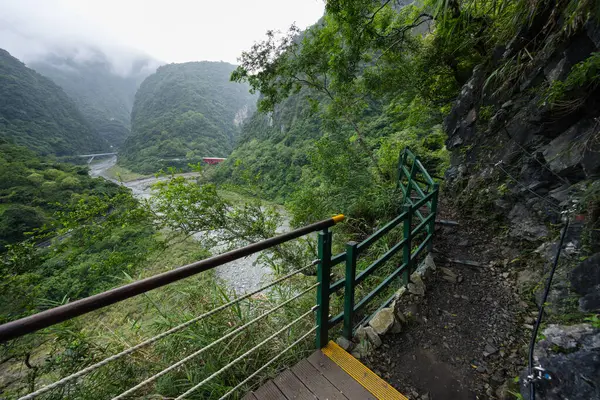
243, 275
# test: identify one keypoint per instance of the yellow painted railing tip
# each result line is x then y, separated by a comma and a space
338, 218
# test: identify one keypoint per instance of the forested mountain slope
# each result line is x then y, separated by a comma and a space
104, 96
273, 147
37, 113
32, 188
62, 233
184, 112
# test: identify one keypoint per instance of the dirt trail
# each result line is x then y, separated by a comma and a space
468, 334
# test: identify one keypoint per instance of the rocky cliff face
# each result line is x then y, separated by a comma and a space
531, 157
526, 159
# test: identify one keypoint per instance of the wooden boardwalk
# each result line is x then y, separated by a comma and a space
328, 374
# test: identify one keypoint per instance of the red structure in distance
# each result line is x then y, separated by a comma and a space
213, 160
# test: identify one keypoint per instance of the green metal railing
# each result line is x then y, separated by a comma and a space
417, 217
420, 196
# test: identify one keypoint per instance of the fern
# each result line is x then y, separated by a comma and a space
594, 320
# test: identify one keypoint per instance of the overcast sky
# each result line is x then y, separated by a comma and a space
168, 30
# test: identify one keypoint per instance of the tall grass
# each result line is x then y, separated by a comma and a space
89, 339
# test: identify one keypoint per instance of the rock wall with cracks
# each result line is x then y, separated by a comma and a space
523, 163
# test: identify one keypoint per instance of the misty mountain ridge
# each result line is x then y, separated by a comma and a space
117, 61
32, 44
38, 114
103, 90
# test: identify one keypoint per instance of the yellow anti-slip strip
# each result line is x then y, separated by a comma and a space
361, 374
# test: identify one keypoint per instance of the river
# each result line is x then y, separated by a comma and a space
243, 275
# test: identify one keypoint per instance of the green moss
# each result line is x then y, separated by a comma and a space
503, 189
583, 77
485, 113
594, 320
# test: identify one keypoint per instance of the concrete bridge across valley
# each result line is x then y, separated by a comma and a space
91, 156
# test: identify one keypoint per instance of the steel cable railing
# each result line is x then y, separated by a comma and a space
271, 361
238, 359
65, 312
160, 336
426, 196
211, 345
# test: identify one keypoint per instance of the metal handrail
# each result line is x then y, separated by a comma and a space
247, 353
68, 311
198, 352
178, 328
362, 246
381, 260
425, 198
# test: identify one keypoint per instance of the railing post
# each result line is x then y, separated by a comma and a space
351, 255
431, 227
407, 244
413, 172
323, 276
401, 162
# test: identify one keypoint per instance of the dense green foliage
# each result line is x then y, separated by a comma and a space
58, 233
185, 112
584, 76
98, 241
377, 77
341, 101
32, 189
104, 97
36, 113
273, 148
357, 100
